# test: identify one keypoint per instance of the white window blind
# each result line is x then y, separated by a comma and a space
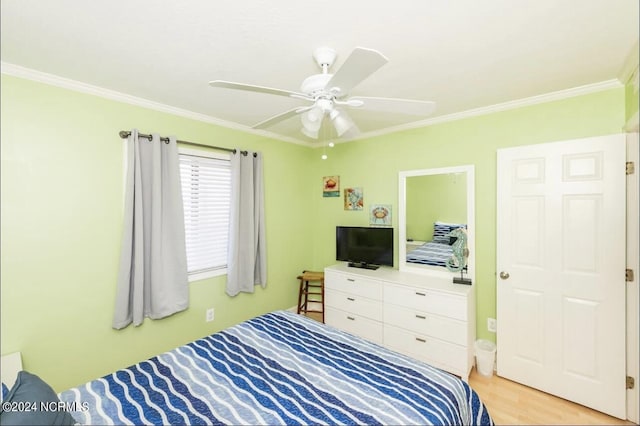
206, 194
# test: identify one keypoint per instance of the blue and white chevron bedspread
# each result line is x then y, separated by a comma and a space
279, 368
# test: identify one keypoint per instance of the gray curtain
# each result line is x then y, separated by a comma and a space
246, 262
152, 281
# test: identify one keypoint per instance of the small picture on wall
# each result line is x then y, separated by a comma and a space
353, 199
380, 214
331, 186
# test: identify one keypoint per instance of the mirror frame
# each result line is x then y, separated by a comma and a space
436, 271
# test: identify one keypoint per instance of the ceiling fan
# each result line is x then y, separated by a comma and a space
328, 95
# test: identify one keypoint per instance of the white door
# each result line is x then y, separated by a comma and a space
561, 263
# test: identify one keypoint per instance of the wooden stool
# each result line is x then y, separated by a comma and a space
311, 283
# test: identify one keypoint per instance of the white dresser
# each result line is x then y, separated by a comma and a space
427, 318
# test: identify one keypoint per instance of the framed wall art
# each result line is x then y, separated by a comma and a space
380, 214
331, 186
353, 199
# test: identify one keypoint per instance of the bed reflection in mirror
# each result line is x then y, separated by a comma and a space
434, 202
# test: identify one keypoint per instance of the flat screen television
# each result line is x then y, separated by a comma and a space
364, 247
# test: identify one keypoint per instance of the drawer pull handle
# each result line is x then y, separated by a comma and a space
420, 294
351, 298
351, 279
419, 339
351, 318
421, 316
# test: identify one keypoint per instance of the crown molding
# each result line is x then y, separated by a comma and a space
54, 80
65, 83
519, 103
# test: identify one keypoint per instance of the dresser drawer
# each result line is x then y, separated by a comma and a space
354, 284
433, 351
447, 329
447, 305
354, 303
354, 324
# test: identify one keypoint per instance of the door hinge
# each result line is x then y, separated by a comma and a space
628, 275
631, 167
631, 382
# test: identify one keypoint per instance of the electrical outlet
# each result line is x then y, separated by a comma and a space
492, 324
210, 315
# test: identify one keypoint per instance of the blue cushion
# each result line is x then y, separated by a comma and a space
441, 231
22, 405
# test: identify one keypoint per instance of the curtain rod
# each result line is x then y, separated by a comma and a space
125, 134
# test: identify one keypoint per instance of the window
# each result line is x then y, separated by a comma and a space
206, 195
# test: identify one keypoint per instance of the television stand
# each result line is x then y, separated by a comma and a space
363, 265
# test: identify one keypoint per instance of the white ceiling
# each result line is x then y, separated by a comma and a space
462, 54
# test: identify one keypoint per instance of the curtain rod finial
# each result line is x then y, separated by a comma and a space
124, 134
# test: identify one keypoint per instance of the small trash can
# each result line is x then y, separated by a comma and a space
485, 357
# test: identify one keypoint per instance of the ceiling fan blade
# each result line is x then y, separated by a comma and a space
259, 89
360, 64
281, 117
400, 106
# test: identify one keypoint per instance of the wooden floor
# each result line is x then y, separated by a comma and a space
511, 403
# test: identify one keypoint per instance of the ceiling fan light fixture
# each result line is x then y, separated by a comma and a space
314, 114
312, 119
310, 133
341, 122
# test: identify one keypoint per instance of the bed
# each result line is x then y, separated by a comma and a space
431, 253
278, 368
437, 251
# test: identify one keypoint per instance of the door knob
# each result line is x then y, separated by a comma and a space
504, 275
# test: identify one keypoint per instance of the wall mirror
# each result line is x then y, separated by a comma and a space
430, 201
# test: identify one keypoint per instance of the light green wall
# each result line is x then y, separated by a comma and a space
61, 204
631, 100
62, 183
432, 198
373, 164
